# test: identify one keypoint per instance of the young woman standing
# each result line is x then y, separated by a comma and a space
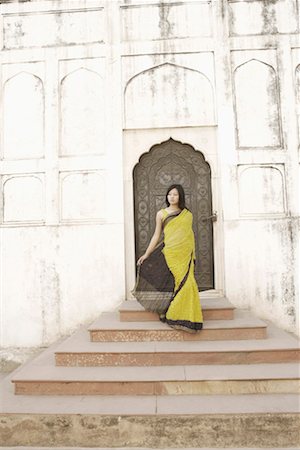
166, 283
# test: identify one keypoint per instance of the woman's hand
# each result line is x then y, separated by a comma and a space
142, 259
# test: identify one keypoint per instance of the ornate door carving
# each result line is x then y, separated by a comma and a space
167, 163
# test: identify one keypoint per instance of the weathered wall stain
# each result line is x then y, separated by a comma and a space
165, 26
269, 17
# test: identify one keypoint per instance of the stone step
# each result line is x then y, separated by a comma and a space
108, 328
213, 309
79, 351
258, 421
148, 405
41, 377
230, 421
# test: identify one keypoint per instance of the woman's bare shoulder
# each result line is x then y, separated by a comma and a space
160, 214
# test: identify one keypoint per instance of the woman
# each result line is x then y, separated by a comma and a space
165, 281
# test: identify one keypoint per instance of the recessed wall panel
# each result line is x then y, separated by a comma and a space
257, 105
82, 196
263, 17
53, 28
166, 21
23, 198
82, 112
23, 116
261, 190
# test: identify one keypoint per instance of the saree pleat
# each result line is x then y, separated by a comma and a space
165, 281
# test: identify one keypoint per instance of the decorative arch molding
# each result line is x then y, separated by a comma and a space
23, 104
81, 112
164, 164
257, 105
155, 148
260, 61
169, 95
166, 64
14, 177
24, 72
79, 69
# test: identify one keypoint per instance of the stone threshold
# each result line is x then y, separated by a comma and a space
213, 309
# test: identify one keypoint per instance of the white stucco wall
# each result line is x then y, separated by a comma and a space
89, 86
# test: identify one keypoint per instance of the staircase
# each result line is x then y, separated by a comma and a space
131, 381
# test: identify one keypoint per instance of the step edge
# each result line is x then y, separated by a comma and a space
246, 327
179, 352
229, 380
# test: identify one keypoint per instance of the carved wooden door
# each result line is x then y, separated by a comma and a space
167, 163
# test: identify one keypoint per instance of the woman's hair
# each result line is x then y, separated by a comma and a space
181, 202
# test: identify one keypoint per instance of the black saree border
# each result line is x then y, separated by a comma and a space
184, 325
171, 216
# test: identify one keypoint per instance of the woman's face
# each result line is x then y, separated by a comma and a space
173, 197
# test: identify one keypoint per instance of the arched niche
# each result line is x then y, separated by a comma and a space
169, 95
82, 113
23, 117
257, 105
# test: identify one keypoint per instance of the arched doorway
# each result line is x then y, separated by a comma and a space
167, 163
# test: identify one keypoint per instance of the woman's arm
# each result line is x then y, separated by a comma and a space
154, 239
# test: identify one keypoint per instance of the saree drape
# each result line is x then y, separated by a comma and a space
165, 281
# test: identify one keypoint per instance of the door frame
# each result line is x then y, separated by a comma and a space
138, 142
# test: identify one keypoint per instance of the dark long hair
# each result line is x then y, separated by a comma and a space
180, 190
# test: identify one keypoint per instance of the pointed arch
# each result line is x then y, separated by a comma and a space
169, 95
80, 70
255, 60
162, 65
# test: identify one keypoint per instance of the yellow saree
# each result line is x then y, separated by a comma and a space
166, 282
